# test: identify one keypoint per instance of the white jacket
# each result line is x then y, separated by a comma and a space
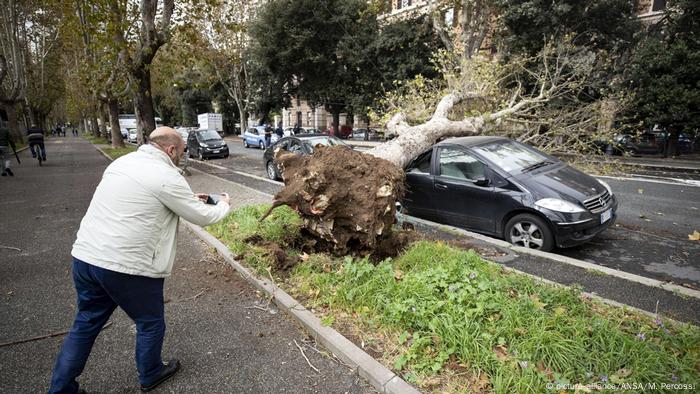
131, 224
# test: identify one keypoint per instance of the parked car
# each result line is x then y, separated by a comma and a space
503, 188
363, 134
302, 144
132, 136
255, 137
344, 131
205, 144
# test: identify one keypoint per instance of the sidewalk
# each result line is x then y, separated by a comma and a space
226, 343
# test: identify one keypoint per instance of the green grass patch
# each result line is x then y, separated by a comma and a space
115, 153
441, 306
96, 140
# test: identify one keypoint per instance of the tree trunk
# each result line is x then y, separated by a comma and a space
117, 140
103, 121
94, 127
145, 115
336, 122
11, 110
244, 119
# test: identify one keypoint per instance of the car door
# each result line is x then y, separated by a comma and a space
418, 198
463, 193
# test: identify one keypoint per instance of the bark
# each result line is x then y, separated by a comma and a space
93, 126
103, 121
145, 115
113, 106
11, 110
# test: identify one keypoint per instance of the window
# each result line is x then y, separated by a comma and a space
422, 163
658, 5
402, 4
458, 164
295, 146
510, 156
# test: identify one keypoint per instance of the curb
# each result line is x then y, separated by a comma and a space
380, 377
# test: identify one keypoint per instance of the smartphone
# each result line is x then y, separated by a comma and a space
213, 199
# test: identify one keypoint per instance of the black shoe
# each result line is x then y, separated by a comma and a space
4, 173
9, 172
169, 369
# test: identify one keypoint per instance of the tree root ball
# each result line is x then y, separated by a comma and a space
347, 199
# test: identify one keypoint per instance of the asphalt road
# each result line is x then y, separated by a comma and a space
228, 338
650, 237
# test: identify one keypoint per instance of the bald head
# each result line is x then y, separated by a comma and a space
165, 136
169, 141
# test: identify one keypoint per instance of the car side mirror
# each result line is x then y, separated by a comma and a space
481, 182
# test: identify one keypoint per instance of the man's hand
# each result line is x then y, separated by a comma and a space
225, 198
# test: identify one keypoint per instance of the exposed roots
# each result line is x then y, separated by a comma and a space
346, 199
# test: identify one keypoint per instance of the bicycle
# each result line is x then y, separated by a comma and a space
39, 151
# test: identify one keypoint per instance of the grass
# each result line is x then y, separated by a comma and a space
114, 153
450, 321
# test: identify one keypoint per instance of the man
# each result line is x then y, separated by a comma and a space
35, 137
6, 143
125, 248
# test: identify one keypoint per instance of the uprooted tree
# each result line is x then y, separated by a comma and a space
346, 198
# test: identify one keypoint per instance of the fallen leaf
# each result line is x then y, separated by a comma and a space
536, 301
501, 352
695, 208
398, 274
695, 236
304, 256
640, 191
659, 213
623, 372
642, 216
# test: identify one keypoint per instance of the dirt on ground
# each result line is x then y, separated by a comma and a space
347, 199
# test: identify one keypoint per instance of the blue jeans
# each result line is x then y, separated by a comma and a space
100, 291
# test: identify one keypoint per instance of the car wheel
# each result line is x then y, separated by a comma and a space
262, 145
529, 231
271, 171
245, 144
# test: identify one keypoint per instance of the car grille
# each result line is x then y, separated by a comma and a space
598, 203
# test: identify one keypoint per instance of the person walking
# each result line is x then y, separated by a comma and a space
6, 143
125, 249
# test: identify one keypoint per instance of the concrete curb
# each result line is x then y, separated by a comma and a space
563, 259
380, 377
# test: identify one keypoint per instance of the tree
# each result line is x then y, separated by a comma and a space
664, 73
303, 46
13, 82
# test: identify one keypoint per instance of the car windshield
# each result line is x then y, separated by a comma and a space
207, 135
323, 140
511, 156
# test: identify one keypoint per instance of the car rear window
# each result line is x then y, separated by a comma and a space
510, 156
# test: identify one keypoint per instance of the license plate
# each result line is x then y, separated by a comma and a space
605, 216
217, 150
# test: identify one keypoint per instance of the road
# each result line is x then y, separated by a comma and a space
650, 237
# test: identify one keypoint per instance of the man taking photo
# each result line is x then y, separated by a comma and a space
124, 250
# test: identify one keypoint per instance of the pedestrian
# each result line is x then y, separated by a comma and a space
6, 143
125, 249
279, 131
268, 135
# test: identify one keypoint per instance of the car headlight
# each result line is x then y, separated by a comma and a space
202, 145
555, 204
606, 186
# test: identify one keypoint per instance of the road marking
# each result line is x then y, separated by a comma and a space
259, 178
651, 179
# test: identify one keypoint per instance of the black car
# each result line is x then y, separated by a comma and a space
205, 144
503, 188
302, 144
